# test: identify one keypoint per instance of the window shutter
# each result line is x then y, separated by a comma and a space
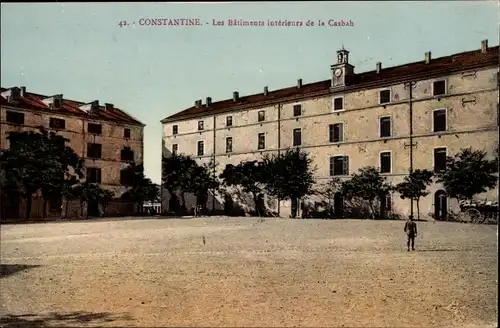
346, 165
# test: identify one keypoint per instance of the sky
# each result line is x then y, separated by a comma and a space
151, 72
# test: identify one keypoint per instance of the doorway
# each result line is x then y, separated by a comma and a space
338, 205
440, 205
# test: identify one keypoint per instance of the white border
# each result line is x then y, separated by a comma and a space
390, 96
380, 125
445, 87
333, 104
380, 161
446, 124
433, 159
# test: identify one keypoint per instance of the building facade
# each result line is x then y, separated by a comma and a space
107, 138
394, 118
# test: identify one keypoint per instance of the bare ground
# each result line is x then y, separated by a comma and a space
160, 272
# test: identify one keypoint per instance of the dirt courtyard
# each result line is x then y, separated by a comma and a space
246, 272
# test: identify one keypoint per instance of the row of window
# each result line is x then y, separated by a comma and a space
385, 97
94, 176
94, 151
60, 124
335, 132
339, 165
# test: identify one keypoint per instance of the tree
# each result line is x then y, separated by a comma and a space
289, 176
368, 185
333, 186
415, 186
250, 176
176, 174
35, 160
202, 179
468, 173
91, 192
142, 189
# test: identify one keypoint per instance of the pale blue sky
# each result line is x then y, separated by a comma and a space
151, 72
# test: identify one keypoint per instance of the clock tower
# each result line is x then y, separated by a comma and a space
342, 71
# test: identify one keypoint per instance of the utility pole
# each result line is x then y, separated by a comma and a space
410, 85
213, 167
280, 106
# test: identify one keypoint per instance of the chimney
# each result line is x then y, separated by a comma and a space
209, 101
197, 103
299, 83
484, 46
379, 67
428, 57
108, 106
236, 96
23, 92
266, 90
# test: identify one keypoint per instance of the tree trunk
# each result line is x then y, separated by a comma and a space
372, 210
44, 209
256, 202
66, 208
183, 198
29, 201
418, 208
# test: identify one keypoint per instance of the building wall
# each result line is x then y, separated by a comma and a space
471, 105
112, 140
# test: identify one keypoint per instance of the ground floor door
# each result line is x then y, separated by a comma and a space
93, 208
440, 205
338, 205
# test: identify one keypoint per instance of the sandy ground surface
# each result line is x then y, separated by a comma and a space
243, 272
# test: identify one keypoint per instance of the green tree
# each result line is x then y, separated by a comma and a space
142, 189
415, 186
176, 175
250, 176
289, 176
468, 173
35, 160
367, 185
202, 179
91, 192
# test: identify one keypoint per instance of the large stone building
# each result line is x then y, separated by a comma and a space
392, 118
105, 136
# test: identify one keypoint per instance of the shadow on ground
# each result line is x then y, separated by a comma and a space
10, 269
54, 319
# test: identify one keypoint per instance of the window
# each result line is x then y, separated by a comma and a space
57, 104
297, 110
439, 159
439, 88
15, 117
229, 144
127, 154
94, 128
262, 116
200, 125
339, 165
126, 177
385, 96
439, 120
338, 103
262, 141
385, 162
336, 132
175, 149
385, 127
126, 133
229, 121
93, 175
297, 137
200, 148
57, 123
175, 129
94, 150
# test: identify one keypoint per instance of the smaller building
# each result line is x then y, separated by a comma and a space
106, 137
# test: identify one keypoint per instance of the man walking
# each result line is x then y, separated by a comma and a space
411, 232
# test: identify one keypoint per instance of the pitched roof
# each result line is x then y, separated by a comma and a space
371, 79
34, 102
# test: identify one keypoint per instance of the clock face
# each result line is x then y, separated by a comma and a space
338, 72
